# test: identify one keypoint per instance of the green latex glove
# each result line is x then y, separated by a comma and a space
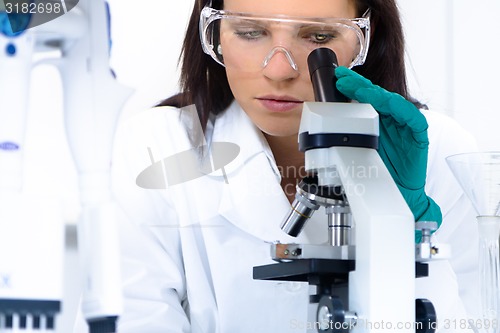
403, 142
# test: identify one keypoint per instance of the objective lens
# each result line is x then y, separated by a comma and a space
301, 211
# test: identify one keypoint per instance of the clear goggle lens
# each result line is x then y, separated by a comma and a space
248, 42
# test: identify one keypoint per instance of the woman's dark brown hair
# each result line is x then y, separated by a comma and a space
204, 83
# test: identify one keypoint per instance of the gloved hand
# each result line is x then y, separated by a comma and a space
403, 142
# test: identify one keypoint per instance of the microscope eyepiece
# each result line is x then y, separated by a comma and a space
322, 63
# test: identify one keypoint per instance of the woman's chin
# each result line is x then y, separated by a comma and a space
280, 132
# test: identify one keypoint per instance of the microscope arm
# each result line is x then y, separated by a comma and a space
384, 240
385, 257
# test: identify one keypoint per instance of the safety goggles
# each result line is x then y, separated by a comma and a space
248, 42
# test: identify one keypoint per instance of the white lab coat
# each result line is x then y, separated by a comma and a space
188, 251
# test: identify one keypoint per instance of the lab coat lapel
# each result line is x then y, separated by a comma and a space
252, 199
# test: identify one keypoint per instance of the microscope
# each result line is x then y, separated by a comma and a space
365, 274
74, 38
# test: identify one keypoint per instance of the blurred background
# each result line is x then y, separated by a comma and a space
450, 60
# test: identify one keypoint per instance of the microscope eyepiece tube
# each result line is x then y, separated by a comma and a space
302, 210
322, 63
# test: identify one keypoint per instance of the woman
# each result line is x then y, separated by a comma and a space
190, 248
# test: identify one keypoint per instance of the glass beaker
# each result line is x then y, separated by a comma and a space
479, 176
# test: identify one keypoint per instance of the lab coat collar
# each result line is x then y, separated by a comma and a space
234, 126
252, 199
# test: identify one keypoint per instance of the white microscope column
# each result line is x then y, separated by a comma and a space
382, 287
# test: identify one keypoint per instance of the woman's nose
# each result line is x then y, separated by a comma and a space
280, 65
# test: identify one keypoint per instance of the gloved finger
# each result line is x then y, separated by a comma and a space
403, 158
388, 123
355, 86
348, 81
394, 105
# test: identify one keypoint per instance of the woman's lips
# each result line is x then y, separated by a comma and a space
279, 103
